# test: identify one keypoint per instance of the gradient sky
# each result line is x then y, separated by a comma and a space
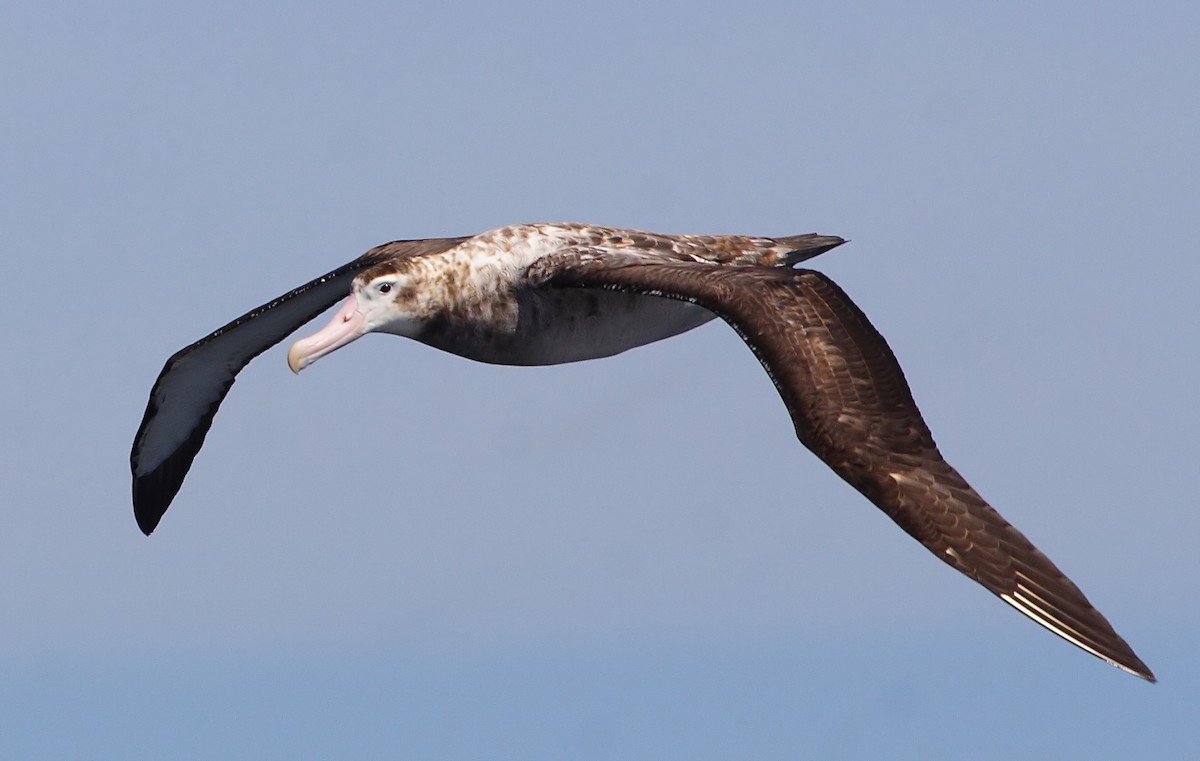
403, 554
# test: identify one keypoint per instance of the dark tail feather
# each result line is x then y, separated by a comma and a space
807, 246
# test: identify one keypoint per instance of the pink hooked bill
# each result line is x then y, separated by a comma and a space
345, 326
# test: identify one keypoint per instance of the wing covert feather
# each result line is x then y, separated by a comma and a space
852, 407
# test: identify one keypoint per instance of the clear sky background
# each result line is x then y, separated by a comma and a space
402, 554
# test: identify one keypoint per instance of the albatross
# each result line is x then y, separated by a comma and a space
545, 294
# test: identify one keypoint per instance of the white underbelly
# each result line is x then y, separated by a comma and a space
570, 325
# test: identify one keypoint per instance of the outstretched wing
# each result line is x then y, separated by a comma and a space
852, 407
194, 381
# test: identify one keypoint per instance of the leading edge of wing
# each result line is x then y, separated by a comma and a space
195, 380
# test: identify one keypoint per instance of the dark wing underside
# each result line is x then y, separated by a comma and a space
852, 407
194, 381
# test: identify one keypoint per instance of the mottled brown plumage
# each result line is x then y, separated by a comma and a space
545, 294
852, 407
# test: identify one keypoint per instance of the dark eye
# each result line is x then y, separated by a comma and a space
385, 287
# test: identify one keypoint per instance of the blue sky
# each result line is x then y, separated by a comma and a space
404, 554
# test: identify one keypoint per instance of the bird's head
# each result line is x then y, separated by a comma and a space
379, 302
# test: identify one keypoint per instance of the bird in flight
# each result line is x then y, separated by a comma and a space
545, 294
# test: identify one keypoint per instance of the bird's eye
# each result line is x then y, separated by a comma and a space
385, 287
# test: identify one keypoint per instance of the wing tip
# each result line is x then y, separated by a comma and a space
1144, 672
1130, 664
153, 493
146, 511
1116, 651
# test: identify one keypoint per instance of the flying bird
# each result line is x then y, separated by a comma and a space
545, 294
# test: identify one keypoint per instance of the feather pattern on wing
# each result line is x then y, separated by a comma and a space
852, 407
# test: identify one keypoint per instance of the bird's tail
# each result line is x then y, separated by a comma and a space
803, 247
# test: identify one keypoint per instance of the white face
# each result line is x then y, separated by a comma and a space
383, 304
386, 304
